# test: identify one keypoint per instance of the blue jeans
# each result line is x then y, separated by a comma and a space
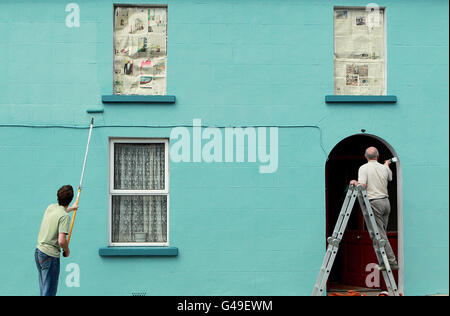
48, 269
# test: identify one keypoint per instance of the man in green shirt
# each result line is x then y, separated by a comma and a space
52, 237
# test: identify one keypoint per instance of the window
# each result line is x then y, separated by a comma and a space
139, 192
140, 50
359, 51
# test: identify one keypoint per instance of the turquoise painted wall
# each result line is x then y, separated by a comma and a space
236, 63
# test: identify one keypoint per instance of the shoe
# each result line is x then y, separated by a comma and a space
394, 266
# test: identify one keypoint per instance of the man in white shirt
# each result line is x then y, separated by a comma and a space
374, 177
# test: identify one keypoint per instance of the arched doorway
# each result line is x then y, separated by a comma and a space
356, 252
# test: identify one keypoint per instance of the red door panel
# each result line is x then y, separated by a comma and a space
358, 253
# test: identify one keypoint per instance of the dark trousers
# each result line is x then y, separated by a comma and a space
48, 269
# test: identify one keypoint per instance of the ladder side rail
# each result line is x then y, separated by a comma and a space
321, 279
378, 242
346, 216
337, 240
351, 191
330, 247
334, 242
370, 229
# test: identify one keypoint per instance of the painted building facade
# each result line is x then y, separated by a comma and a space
230, 229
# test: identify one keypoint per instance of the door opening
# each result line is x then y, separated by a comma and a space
356, 257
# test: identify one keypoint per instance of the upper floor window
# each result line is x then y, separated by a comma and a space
140, 50
359, 51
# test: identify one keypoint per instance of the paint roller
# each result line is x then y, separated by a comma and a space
81, 180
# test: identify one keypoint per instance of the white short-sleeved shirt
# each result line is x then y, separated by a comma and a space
375, 176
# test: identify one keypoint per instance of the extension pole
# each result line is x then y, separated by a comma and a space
81, 180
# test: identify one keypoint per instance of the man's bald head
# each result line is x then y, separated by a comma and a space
371, 153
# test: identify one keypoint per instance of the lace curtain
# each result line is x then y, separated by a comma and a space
139, 166
139, 218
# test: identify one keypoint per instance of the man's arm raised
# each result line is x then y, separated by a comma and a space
62, 241
72, 208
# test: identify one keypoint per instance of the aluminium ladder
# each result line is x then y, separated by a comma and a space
354, 193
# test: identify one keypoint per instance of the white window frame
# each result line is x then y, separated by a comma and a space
112, 191
383, 8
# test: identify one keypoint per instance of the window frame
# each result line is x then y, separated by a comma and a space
112, 192
383, 8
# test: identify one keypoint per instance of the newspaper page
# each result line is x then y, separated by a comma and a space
140, 50
359, 52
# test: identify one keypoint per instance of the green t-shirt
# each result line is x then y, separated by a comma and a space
56, 221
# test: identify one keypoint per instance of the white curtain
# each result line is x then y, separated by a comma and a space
139, 166
139, 218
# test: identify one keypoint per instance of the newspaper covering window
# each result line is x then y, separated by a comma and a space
359, 51
140, 50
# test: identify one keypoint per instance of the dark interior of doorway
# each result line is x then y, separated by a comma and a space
342, 166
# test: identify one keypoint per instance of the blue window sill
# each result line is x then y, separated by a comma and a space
137, 251
95, 110
360, 99
138, 98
